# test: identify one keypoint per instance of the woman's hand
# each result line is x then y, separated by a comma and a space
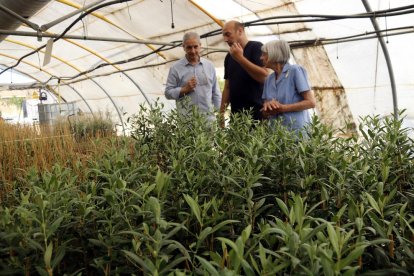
271, 107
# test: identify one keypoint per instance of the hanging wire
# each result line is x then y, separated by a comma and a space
337, 51
376, 69
172, 15
293, 44
85, 32
84, 29
386, 30
386, 27
261, 21
129, 12
58, 89
65, 31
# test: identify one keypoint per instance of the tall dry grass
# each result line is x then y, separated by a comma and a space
25, 147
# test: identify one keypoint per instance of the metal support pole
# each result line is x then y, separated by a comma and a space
45, 27
20, 18
94, 38
39, 85
387, 58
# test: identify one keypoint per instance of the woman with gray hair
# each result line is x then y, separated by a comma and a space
287, 94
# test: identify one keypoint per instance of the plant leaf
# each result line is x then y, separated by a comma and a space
208, 266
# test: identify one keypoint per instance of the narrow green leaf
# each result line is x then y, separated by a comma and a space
341, 212
351, 271
391, 225
172, 264
314, 231
41, 271
155, 207
48, 255
254, 264
97, 242
359, 222
203, 235
246, 233
55, 225
385, 172
333, 238
298, 208
162, 181
248, 270
177, 228
373, 203
230, 243
208, 266
137, 260
327, 265
223, 223
262, 255
353, 256
58, 256
282, 206
195, 208
259, 204
375, 221
347, 236
240, 247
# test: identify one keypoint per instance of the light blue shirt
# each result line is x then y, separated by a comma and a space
206, 95
288, 89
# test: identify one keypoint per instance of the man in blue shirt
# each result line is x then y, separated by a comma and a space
192, 80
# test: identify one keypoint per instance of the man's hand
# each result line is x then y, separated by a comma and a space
221, 119
189, 87
236, 51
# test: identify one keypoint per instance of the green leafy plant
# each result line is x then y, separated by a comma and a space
181, 196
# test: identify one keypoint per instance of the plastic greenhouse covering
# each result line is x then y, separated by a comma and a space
111, 56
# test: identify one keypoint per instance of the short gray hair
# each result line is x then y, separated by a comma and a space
191, 35
278, 51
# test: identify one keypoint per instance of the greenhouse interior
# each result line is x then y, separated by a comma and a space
102, 173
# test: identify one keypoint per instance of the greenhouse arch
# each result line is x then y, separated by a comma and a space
140, 39
105, 169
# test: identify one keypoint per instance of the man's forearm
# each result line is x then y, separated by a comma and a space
258, 73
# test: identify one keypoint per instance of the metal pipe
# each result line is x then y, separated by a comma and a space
20, 18
137, 41
215, 19
39, 85
387, 58
83, 99
45, 27
137, 86
114, 104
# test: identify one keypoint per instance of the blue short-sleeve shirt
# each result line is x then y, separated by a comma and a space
288, 89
